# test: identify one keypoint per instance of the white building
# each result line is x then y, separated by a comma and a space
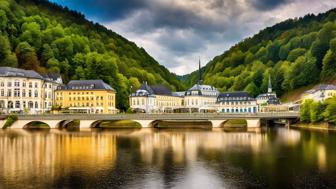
201, 98
155, 99
320, 93
26, 91
236, 102
269, 98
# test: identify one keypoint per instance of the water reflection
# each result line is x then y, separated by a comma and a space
148, 158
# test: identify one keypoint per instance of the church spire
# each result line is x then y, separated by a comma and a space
199, 72
269, 85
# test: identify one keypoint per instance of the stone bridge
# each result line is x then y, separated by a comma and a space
147, 120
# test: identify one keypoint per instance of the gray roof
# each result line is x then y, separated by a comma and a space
234, 96
87, 84
152, 90
16, 72
202, 88
147, 88
325, 87
161, 90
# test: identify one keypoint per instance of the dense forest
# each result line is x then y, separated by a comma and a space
45, 37
295, 53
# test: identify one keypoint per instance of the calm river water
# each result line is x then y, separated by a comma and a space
148, 158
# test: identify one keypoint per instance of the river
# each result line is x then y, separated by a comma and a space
149, 158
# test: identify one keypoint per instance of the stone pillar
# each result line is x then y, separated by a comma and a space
253, 123
217, 123
144, 123
86, 124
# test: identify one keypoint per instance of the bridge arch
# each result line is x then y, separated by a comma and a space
64, 124
36, 125
146, 123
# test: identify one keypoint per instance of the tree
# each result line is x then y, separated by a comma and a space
134, 83
252, 89
26, 56
305, 111
329, 62
3, 20
316, 112
295, 53
330, 111
303, 72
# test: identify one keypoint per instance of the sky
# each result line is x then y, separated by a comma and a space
177, 33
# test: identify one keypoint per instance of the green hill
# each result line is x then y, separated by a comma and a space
295, 53
36, 34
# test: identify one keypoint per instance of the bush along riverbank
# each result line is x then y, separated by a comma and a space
10, 120
319, 114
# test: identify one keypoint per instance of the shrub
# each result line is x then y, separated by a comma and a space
10, 120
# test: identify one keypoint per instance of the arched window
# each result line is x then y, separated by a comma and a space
10, 104
17, 104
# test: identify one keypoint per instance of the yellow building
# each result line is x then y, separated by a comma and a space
86, 96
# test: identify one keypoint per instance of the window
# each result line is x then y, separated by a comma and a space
17, 104
36, 93
10, 104
23, 92
24, 84
2, 84
2, 92
30, 85
30, 93
9, 92
30, 104
16, 92
9, 84
17, 83
36, 105
36, 84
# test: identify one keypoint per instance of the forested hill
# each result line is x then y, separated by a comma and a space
39, 35
295, 53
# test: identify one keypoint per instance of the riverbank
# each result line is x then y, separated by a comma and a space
318, 126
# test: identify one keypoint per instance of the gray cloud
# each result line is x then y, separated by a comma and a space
268, 4
177, 32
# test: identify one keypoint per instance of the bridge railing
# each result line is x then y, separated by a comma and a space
180, 116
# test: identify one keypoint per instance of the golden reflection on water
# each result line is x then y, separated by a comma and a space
25, 154
52, 153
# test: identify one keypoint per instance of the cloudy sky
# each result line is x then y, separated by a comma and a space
177, 32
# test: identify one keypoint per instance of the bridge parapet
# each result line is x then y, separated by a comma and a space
198, 116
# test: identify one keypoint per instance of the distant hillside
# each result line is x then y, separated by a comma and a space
295, 53
36, 34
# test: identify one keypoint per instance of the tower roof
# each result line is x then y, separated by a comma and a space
269, 85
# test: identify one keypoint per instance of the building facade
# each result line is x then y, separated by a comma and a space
320, 93
236, 102
154, 99
201, 98
26, 91
269, 98
86, 96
